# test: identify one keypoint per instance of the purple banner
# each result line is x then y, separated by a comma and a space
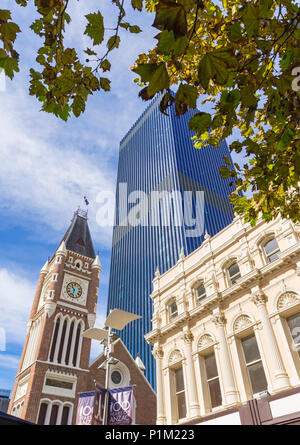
85, 408
99, 406
120, 406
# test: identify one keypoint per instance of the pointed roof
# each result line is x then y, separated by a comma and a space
62, 248
139, 362
45, 267
96, 263
78, 238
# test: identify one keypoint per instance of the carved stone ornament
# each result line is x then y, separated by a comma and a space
259, 298
175, 356
219, 319
205, 341
158, 353
188, 337
241, 323
287, 299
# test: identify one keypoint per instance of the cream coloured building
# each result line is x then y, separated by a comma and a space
226, 329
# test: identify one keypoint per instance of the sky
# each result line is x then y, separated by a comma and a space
47, 166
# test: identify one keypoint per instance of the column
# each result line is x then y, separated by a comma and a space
231, 394
160, 417
194, 408
277, 369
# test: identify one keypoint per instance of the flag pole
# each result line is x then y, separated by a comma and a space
105, 414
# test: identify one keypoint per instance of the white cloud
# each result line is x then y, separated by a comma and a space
16, 297
9, 361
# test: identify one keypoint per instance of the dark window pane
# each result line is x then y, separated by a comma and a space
273, 257
179, 382
201, 291
233, 269
65, 415
173, 309
211, 366
53, 417
54, 340
59, 384
116, 377
257, 377
215, 393
250, 349
181, 405
271, 246
42, 414
294, 325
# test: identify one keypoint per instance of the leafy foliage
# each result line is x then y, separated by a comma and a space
241, 54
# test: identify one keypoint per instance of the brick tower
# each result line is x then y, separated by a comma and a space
55, 358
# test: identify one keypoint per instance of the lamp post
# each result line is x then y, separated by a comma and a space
117, 319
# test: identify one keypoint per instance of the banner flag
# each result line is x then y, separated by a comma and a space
120, 406
85, 408
99, 405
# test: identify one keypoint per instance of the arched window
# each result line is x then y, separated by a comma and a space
173, 310
54, 414
65, 415
180, 393
76, 349
253, 363
212, 380
62, 341
54, 339
271, 250
200, 293
69, 343
233, 273
293, 323
42, 413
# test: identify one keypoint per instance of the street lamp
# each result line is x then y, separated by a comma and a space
117, 319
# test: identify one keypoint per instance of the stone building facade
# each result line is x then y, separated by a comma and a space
226, 329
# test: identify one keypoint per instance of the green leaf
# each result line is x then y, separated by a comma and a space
9, 64
172, 17
167, 43
113, 42
89, 52
215, 65
105, 83
137, 4
235, 32
200, 123
5, 15
9, 31
134, 29
78, 106
105, 65
95, 27
187, 94
156, 75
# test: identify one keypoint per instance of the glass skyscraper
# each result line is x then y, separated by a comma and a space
157, 154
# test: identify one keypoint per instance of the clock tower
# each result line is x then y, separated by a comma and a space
54, 365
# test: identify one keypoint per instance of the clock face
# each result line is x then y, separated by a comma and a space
74, 290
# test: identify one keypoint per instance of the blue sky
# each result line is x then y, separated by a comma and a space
47, 165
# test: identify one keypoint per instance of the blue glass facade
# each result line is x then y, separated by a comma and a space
157, 154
